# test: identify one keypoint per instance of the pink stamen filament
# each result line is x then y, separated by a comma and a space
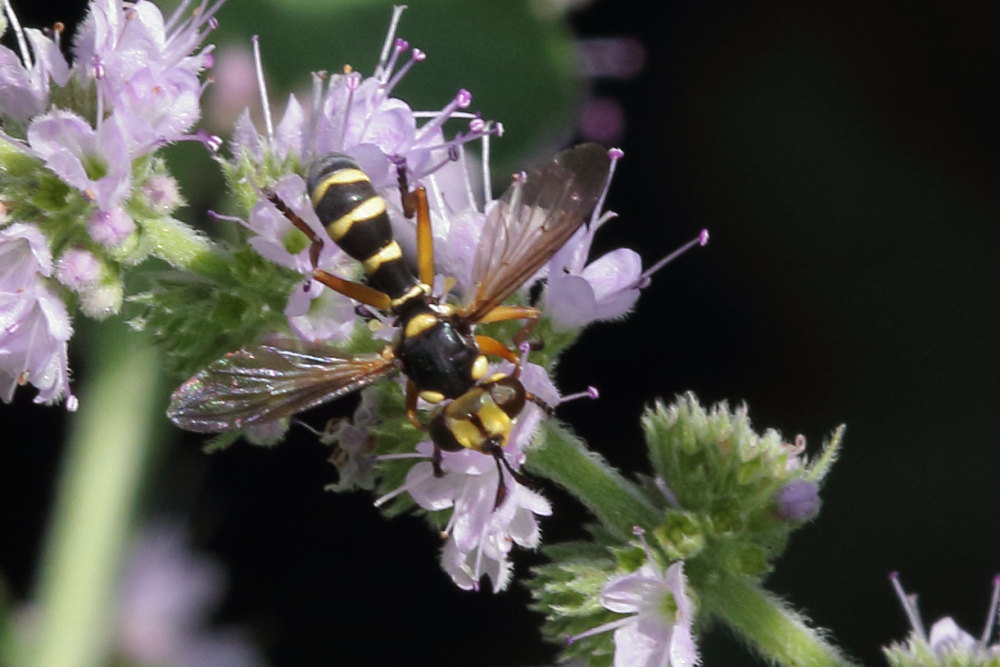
176, 15
614, 154
317, 101
353, 81
262, 89
909, 603
590, 392
380, 69
606, 627
404, 488
229, 218
22, 43
991, 616
400, 46
643, 280
461, 100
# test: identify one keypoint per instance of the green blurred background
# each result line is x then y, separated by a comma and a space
844, 157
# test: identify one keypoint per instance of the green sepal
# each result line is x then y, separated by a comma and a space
567, 591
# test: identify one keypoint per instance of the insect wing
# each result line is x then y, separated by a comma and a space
262, 383
535, 217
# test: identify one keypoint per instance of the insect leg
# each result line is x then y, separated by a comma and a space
357, 291
495, 348
411, 406
496, 451
546, 408
504, 313
316, 242
415, 203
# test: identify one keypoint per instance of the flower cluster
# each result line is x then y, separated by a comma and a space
357, 116
80, 171
719, 510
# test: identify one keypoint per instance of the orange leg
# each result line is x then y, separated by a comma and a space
411, 406
415, 203
361, 293
504, 313
495, 348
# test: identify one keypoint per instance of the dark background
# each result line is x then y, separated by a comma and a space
844, 158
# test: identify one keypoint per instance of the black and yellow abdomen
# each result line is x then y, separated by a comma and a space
355, 217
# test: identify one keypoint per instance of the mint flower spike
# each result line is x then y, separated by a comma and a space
946, 644
723, 500
80, 175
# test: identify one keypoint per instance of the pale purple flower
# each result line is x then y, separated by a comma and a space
578, 293
34, 324
480, 533
314, 312
116, 40
157, 107
167, 595
658, 629
946, 642
658, 632
25, 80
96, 162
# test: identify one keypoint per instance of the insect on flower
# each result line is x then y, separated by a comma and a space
437, 349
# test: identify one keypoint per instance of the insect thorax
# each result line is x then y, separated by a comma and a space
437, 353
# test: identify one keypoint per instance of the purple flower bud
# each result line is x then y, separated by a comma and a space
798, 500
78, 269
161, 194
110, 228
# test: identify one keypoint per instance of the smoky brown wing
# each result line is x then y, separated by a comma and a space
262, 383
535, 217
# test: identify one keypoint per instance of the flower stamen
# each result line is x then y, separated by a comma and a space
643, 281
262, 89
909, 603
